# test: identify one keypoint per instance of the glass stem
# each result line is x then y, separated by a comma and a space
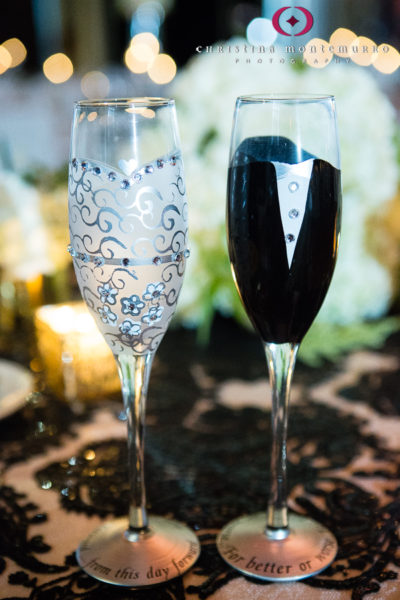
134, 372
281, 359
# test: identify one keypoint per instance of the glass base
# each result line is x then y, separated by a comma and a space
165, 551
308, 549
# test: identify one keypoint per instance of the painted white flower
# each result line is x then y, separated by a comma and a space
107, 316
132, 305
107, 293
130, 328
153, 291
154, 314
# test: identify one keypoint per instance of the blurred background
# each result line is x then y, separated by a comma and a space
53, 52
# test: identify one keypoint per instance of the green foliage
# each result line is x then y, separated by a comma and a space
47, 180
207, 138
326, 341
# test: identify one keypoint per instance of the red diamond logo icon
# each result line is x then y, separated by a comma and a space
292, 21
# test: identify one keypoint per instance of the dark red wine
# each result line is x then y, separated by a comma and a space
281, 296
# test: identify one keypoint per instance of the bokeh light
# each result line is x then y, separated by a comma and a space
143, 49
17, 51
58, 68
162, 69
133, 64
5, 60
362, 52
388, 59
342, 39
145, 46
261, 32
95, 84
317, 54
148, 16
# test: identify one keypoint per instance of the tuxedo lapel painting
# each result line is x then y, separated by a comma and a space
288, 209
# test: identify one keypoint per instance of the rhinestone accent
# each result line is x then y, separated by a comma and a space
112, 176
149, 169
125, 183
99, 261
137, 178
74, 163
160, 163
293, 213
289, 238
84, 165
97, 170
293, 186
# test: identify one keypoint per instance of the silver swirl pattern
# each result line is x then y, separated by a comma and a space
128, 239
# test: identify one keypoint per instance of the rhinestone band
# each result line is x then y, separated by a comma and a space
127, 180
99, 261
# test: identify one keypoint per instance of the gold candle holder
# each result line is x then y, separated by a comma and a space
78, 363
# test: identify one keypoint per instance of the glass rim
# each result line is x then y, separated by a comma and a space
284, 97
134, 102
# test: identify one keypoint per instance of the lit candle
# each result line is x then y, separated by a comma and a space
77, 361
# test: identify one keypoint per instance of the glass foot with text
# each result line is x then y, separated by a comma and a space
307, 550
165, 551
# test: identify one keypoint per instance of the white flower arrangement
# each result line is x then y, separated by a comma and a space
33, 228
205, 91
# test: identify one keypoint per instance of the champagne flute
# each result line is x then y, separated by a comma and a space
283, 222
128, 239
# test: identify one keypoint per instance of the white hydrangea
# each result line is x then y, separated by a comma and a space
205, 91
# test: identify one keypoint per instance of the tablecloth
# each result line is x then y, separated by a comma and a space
64, 471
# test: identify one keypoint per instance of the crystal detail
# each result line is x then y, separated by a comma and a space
84, 165
137, 178
290, 238
71, 250
186, 253
74, 162
149, 169
98, 261
156, 260
293, 213
125, 262
125, 184
112, 176
160, 163
293, 186
97, 170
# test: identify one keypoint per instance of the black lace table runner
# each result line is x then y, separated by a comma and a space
207, 457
